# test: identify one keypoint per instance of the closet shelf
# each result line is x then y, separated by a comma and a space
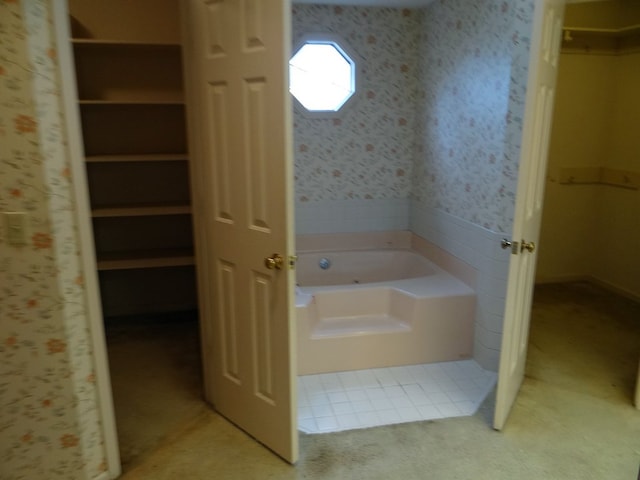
97, 42
605, 32
131, 102
141, 211
148, 157
145, 259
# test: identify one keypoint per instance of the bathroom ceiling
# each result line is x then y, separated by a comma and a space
372, 3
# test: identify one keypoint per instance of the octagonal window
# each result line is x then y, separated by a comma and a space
321, 76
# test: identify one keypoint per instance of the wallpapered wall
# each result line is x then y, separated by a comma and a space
366, 152
49, 426
439, 115
473, 72
474, 64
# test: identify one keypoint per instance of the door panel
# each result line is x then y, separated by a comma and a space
236, 61
228, 321
545, 48
256, 117
219, 115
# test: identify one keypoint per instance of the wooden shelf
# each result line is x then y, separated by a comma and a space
605, 32
141, 211
145, 259
611, 177
133, 129
131, 102
150, 157
97, 42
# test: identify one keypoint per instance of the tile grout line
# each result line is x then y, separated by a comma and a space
360, 399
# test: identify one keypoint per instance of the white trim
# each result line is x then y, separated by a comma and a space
199, 194
604, 284
82, 215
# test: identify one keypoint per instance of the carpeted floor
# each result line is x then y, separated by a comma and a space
573, 418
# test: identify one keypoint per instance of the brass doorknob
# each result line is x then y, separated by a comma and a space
528, 246
274, 262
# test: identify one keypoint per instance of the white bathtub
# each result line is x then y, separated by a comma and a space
377, 308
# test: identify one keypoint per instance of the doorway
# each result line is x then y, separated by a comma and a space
128, 78
591, 198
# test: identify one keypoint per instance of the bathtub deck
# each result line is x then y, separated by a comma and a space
357, 325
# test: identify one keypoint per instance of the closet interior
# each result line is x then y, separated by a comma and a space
128, 62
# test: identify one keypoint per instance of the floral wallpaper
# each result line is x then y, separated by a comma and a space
439, 117
473, 73
367, 151
49, 424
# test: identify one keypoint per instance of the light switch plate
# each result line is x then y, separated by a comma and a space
15, 228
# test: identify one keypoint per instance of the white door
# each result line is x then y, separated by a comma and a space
545, 52
236, 61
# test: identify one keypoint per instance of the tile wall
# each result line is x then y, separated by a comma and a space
349, 216
479, 248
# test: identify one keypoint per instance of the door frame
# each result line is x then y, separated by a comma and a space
87, 253
636, 396
82, 212
636, 399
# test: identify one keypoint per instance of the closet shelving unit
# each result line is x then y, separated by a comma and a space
605, 32
130, 97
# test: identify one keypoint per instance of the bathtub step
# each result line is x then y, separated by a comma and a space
331, 327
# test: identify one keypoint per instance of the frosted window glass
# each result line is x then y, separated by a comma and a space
322, 77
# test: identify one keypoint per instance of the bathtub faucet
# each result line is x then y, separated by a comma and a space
324, 263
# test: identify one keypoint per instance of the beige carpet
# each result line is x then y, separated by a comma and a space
573, 419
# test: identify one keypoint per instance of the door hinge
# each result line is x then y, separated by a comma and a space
506, 243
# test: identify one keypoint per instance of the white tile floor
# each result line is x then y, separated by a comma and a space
331, 402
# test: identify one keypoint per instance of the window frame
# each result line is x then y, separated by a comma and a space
343, 48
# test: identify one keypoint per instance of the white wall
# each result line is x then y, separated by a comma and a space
579, 138
588, 230
617, 260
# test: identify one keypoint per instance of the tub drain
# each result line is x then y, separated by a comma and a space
324, 263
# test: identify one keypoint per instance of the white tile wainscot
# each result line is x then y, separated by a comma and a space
348, 216
479, 248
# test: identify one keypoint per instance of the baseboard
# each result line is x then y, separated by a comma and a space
562, 279
590, 279
177, 316
615, 289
